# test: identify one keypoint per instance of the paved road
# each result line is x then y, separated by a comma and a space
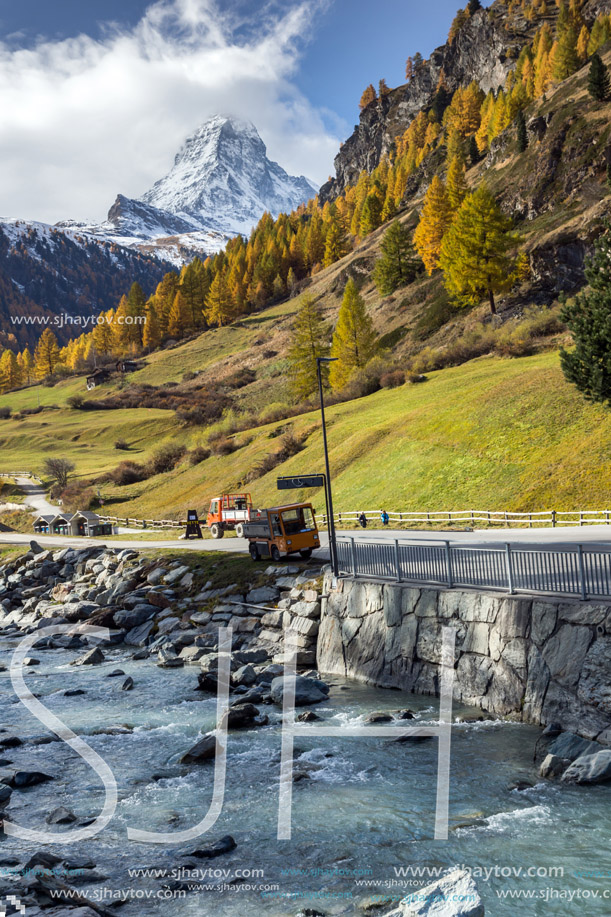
540, 538
35, 497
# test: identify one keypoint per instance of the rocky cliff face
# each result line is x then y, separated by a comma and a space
485, 50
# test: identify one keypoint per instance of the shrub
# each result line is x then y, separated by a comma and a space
78, 495
76, 402
166, 459
241, 378
290, 445
365, 381
393, 379
122, 445
199, 454
222, 445
128, 473
416, 378
5, 413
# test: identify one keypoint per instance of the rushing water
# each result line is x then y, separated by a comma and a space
364, 812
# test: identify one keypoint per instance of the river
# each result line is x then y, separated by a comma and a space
363, 816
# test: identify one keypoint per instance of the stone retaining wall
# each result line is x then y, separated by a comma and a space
540, 661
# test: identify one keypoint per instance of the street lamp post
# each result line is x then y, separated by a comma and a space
331, 518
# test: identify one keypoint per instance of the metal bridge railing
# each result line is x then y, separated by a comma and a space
583, 571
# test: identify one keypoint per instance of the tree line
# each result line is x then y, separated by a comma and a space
268, 266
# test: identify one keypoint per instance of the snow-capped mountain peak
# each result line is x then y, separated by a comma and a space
221, 183
223, 180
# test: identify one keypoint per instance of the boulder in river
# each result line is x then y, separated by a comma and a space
128, 684
60, 816
553, 766
590, 769
378, 717
19, 780
245, 675
225, 845
203, 750
453, 895
91, 657
168, 659
242, 716
307, 691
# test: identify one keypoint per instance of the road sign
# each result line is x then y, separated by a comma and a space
297, 483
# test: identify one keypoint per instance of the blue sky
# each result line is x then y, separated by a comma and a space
349, 44
98, 95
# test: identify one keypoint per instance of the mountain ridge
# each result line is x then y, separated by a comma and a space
221, 184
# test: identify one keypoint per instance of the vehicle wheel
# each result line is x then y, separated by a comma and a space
306, 553
254, 551
216, 531
275, 553
239, 530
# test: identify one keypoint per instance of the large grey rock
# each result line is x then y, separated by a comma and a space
168, 659
92, 657
553, 766
129, 618
590, 769
565, 652
245, 675
543, 621
307, 691
139, 635
203, 750
263, 595
595, 681
454, 895
571, 746
175, 575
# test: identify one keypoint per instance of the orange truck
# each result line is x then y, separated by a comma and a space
229, 511
282, 530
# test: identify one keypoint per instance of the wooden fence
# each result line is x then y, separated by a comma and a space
474, 518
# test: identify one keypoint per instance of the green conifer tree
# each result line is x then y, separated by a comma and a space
588, 366
522, 133
398, 264
354, 340
311, 335
599, 85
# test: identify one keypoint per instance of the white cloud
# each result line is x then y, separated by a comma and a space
83, 119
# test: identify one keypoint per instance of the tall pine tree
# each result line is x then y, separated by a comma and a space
354, 339
599, 84
588, 366
46, 355
310, 340
476, 254
434, 223
522, 133
398, 264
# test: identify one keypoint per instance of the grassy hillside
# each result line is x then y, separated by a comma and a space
491, 434
494, 432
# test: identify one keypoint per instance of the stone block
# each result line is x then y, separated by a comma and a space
565, 652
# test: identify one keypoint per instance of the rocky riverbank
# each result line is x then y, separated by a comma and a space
163, 614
